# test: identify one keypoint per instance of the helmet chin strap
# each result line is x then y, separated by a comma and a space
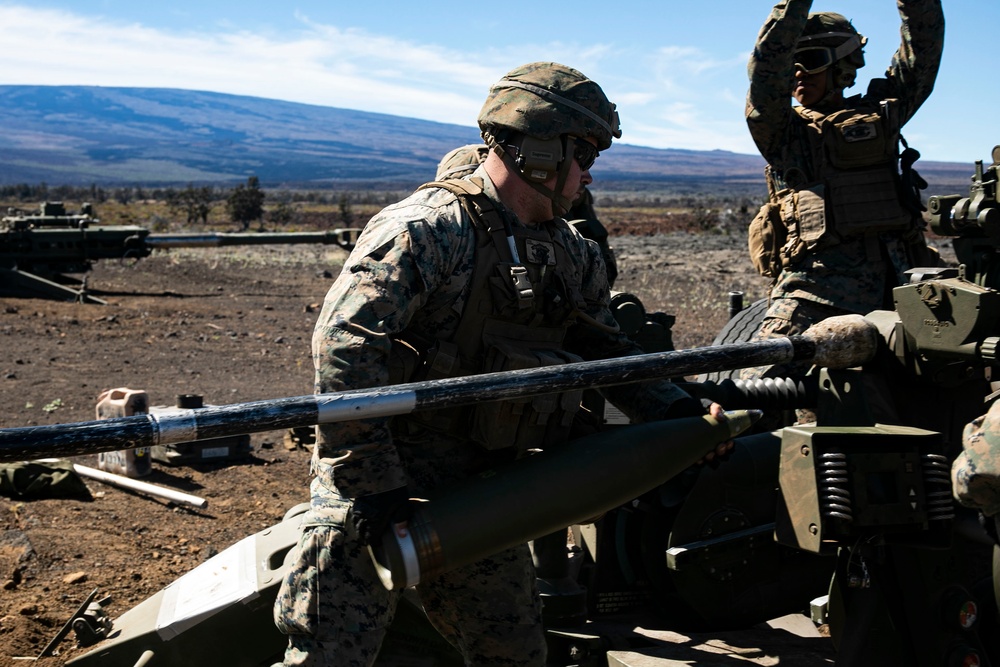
834, 94
560, 204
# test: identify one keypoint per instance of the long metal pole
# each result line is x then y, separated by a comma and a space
214, 240
147, 430
172, 495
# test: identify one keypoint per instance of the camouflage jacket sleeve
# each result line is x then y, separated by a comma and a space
909, 78
911, 74
771, 69
404, 255
641, 402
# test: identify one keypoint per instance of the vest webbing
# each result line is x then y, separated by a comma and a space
481, 322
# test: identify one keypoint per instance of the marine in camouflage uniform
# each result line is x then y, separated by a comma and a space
422, 271
847, 223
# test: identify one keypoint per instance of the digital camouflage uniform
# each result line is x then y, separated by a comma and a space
839, 275
975, 474
410, 276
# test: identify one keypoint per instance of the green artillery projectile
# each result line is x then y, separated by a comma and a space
544, 492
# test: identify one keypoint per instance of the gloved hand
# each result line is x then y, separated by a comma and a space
689, 407
372, 514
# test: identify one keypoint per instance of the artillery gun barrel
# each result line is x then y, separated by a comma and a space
341, 237
838, 342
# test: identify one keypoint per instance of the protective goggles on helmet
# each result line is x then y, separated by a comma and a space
814, 59
585, 153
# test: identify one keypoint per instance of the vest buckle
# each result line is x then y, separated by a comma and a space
522, 286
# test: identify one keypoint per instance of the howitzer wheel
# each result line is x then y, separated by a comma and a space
745, 577
740, 329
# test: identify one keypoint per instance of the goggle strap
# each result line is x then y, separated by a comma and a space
826, 35
848, 47
853, 41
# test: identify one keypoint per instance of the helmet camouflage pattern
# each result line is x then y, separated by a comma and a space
546, 100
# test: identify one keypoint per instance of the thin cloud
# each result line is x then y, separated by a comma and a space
351, 68
322, 65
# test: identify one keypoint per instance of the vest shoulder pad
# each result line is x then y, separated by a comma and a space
459, 186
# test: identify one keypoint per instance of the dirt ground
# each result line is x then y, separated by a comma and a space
232, 325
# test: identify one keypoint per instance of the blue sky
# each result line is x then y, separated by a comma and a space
677, 70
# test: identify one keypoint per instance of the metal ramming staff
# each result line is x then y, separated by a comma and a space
848, 342
341, 237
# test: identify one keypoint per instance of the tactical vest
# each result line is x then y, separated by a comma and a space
853, 190
515, 317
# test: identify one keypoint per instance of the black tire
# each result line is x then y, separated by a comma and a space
740, 329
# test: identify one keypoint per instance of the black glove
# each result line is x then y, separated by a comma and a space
372, 514
691, 407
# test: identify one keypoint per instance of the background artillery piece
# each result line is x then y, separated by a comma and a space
37, 251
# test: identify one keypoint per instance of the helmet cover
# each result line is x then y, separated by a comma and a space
461, 161
546, 100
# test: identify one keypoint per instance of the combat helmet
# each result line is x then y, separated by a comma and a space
830, 41
462, 161
532, 116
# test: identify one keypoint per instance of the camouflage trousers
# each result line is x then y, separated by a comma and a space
336, 611
788, 317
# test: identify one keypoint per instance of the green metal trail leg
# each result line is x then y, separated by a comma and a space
14, 283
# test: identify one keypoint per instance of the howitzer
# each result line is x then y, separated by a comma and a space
37, 251
234, 591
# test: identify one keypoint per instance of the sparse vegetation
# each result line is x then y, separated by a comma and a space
246, 203
651, 209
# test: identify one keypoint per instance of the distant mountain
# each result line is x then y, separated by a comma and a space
78, 135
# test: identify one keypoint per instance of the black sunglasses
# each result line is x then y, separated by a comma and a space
585, 153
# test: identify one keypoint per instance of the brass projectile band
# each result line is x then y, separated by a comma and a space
427, 543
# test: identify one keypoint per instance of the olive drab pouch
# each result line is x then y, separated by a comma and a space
808, 206
803, 216
531, 422
511, 287
404, 362
765, 238
407, 363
